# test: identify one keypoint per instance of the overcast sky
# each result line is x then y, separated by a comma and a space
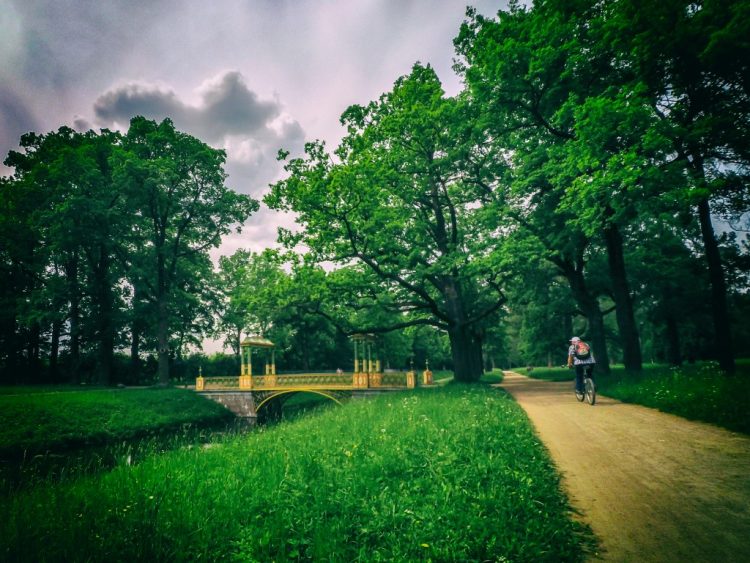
249, 76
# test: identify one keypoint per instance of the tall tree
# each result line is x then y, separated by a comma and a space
176, 183
529, 70
400, 202
694, 60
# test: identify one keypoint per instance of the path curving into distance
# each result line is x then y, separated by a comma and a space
652, 486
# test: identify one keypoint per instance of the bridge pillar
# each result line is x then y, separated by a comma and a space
241, 404
411, 379
427, 374
360, 380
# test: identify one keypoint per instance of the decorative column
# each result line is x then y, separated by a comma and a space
246, 366
356, 361
427, 374
199, 381
360, 378
273, 361
376, 378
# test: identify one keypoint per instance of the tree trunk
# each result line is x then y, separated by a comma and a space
71, 271
674, 356
568, 326
54, 351
722, 330
135, 351
238, 350
34, 365
162, 335
162, 313
466, 345
590, 308
631, 347
105, 322
466, 351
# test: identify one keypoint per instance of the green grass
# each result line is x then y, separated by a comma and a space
40, 421
698, 392
444, 376
494, 376
445, 474
437, 375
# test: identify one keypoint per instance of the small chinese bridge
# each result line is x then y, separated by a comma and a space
248, 393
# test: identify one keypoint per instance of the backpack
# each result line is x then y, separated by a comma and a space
582, 350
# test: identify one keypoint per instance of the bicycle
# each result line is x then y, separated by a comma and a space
589, 387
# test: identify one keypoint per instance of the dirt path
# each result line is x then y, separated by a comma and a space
653, 486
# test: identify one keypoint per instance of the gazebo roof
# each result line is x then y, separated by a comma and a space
256, 341
362, 336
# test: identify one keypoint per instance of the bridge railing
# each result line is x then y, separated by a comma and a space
304, 380
220, 382
307, 380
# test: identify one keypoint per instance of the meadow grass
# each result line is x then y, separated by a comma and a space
447, 474
33, 422
698, 392
492, 377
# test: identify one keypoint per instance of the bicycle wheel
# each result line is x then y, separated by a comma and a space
579, 394
589, 390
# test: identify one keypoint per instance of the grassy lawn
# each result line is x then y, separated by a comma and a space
444, 376
446, 474
494, 376
47, 420
698, 392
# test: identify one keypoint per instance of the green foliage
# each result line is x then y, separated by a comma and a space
56, 420
105, 234
454, 474
398, 211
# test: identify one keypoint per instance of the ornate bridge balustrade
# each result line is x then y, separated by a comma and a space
302, 381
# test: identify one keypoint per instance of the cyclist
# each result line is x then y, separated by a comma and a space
581, 357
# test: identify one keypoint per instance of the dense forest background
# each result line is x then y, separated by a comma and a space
590, 179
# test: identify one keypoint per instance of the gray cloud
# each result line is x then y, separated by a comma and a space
228, 115
15, 120
227, 107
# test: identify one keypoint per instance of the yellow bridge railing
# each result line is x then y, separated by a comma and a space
338, 381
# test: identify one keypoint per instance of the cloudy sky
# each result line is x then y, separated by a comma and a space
249, 76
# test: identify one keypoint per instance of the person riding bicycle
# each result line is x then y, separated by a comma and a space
580, 356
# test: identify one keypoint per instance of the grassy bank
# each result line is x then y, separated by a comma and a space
448, 474
698, 392
33, 422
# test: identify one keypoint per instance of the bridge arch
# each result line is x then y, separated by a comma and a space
277, 394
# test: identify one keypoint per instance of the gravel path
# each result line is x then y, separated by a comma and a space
653, 486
